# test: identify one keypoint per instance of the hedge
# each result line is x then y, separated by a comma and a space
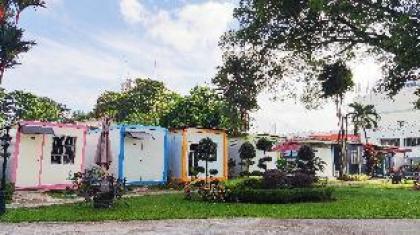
287, 195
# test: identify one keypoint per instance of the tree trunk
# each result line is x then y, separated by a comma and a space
364, 131
1, 74
207, 165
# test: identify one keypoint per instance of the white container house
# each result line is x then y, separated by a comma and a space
182, 146
46, 155
143, 157
139, 153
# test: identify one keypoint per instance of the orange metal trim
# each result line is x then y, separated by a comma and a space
184, 156
225, 153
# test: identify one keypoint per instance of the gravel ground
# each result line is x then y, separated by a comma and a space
221, 226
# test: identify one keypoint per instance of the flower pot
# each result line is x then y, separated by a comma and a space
103, 200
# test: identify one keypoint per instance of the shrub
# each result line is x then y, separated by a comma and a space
353, 177
252, 183
307, 162
262, 162
10, 189
301, 180
281, 195
94, 184
256, 173
275, 179
264, 144
247, 153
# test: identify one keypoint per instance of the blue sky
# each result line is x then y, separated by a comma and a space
88, 46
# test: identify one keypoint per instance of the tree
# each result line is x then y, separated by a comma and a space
374, 158
80, 116
364, 117
336, 81
146, 102
307, 162
238, 82
11, 36
202, 108
246, 154
32, 107
207, 152
290, 38
38, 108
264, 145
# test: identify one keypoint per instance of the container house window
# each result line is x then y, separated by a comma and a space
391, 142
63, 150
413, 141
354, 156
192, 159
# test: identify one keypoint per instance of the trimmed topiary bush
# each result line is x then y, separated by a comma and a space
275, 179
301, 180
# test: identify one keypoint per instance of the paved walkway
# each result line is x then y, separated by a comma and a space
33, 199
221, 226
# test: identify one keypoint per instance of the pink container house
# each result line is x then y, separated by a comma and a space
46, 154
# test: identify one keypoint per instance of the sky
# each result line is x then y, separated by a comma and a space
85, 47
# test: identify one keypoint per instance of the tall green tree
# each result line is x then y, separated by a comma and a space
12, 43
203, 107
364, 117
286, 37
336, 81
146, 102
239, 80
33, 107
38, 108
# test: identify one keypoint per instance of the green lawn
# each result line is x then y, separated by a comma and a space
351, 202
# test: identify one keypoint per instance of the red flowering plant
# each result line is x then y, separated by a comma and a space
373, 156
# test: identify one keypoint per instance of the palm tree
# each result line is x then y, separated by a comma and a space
364, 117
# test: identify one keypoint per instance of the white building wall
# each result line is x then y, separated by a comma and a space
234, 146
195, 135
175, 154
326, 154
399, 120
236, 143
144, 159
92, 140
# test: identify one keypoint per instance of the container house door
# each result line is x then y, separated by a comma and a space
133, 159
28, 166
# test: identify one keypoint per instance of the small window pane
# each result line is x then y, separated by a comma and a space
55, 159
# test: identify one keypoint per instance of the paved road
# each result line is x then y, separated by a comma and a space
221, 226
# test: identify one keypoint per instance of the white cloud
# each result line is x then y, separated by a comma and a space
71, 74
133, 11
191, 27
195, 26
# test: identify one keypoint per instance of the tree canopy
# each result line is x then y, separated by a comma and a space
149, 102
34, 107
297, 38
364, 117
202, 108
145, 102
12, 43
